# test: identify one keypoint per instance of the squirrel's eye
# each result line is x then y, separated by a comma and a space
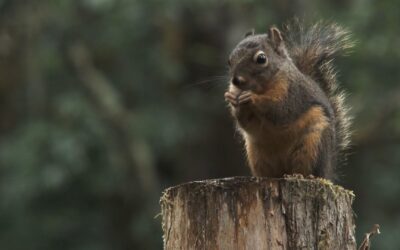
260, 58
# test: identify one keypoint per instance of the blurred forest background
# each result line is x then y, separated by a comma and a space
104, 103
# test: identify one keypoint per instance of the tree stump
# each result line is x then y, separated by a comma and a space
258, 213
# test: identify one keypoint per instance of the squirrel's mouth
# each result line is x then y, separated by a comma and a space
246, 87
252, 86
241, 83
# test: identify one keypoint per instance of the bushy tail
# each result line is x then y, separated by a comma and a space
313, 50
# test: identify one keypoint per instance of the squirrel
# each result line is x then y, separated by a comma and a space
284, 96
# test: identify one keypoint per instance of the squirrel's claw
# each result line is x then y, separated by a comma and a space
244, 97
231, 98
240, 98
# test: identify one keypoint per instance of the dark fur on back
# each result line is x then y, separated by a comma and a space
313, 50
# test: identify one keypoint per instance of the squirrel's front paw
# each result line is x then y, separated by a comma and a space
239, 98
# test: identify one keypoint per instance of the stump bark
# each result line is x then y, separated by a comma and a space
258, 213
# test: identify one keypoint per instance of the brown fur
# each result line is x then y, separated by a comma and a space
287, 150
274, 150
276, 91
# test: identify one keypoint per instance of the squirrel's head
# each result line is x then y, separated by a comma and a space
256, 59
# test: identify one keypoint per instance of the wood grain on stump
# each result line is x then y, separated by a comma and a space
258, 213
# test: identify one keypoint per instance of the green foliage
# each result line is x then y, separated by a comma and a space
106, 102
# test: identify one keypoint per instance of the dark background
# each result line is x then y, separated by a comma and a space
104, 103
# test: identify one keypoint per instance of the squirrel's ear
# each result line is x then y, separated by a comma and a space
275, 36
277, 42
249, 33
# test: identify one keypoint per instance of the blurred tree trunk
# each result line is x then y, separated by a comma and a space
254, 213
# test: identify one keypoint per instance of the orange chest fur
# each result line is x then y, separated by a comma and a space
279, 139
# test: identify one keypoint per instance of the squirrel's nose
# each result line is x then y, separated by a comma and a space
238, 81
